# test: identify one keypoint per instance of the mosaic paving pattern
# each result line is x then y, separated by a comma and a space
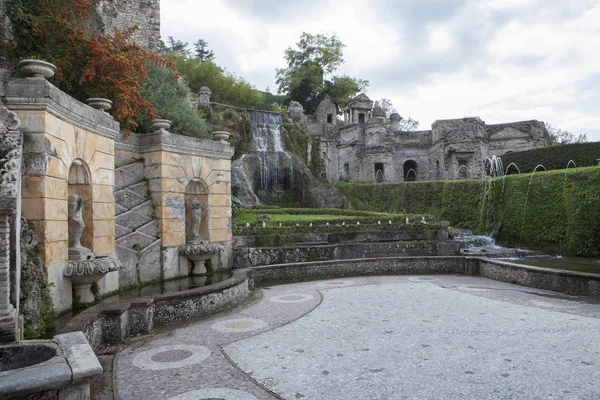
214, 394
376, 338
291, 298
171, 356
239, 325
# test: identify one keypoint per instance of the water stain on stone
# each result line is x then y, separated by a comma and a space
299, 351
469, 372
587, 363
425, 346
299, 395
325, 372
376, 370
508, 359
505, 375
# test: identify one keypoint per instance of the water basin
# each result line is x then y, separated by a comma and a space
174, 286
24, 355
579, 264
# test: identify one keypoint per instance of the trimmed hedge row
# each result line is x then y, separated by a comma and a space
554, 157
556, 211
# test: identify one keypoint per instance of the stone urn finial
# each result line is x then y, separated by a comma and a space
204, 94
99, 103
37, 68
160, 125
221, 136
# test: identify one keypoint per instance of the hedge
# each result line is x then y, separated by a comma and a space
556, 211
554, 157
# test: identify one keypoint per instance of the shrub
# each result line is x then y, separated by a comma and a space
554, 157
170, 95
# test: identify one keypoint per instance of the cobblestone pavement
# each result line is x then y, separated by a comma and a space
405, 337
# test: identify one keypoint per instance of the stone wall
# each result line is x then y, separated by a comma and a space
123, 14
60, 132
171, 164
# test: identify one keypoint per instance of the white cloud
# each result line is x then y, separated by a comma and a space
502, 60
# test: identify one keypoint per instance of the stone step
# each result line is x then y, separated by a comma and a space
141, 189
122, 160
146, 208
119, 209
137, 240
128, 198
121, 231
151, 228
133, 220
129, 175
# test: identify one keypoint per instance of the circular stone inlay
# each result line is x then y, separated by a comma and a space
172, 356
239, 325
291, 298
421, 279
337, 283
214, 394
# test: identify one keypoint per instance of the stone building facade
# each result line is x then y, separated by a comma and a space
142, 14
369, 147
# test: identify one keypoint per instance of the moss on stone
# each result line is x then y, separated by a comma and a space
36, 304
557, 211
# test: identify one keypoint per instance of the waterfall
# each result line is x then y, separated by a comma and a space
266, 142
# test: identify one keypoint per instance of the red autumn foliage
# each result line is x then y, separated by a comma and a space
90, 64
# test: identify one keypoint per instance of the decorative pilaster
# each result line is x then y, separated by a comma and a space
10, 182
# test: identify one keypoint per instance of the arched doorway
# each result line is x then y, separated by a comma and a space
410, 170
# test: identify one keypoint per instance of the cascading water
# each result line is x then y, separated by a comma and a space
266, 142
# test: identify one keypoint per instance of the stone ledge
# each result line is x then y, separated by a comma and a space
184, 145
41, 95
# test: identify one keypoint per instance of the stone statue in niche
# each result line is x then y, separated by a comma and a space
196, 216
76, 225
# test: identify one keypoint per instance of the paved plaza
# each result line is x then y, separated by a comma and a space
402, 337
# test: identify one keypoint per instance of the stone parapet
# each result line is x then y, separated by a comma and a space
184, 145
41, 95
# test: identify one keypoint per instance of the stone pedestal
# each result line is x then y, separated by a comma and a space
199, 253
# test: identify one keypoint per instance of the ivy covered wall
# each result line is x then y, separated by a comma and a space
557, 211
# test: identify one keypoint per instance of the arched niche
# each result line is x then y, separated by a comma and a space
196, 189
80, 183
410, 170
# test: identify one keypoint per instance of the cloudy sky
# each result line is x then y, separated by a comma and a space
501, 60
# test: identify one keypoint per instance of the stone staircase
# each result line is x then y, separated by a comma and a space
137, 243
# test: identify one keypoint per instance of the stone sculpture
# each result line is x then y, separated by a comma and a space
196, 214
76, 225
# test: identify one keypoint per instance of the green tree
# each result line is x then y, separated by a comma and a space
406, 124
561, 136
170, 95
202, 53
226, 88
308, 75
177, 46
